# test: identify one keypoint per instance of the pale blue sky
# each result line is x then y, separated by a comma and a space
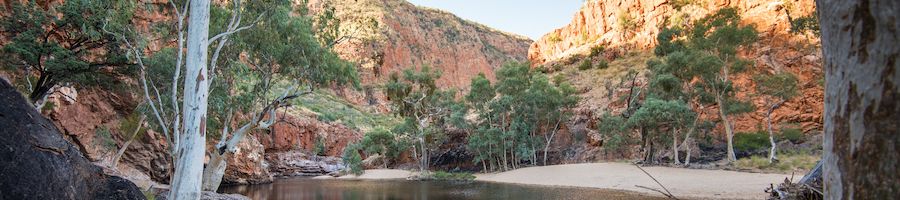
531, 18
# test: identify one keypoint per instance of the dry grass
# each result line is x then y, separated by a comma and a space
794, 162
591, 83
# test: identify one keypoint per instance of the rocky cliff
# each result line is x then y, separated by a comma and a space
37, 163
391, 35
628, 29
624, 26
635, 23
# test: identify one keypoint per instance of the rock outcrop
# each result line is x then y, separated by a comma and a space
247, 165
301, 133
37, 163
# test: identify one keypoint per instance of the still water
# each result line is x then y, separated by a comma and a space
305, 188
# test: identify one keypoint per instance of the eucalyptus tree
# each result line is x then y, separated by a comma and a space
859, 44
777, 89
704, 56
281, 51
263, 55
415, 97
65, 44
654, 115
517, 117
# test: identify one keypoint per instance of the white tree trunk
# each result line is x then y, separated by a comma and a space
189, 165
771, 132
862, 112
729, 131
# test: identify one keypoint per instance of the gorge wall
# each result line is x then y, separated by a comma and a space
623, 26
406, 36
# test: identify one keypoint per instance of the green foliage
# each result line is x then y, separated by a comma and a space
352, 159
751, 141
656, 113
331, 108
426, 110
806, 24
614, 128
380, 141
596, 51
782, 85
602, 64
697, 60
585, 65
319, 148
104, 136
794, 135
514, 112
452, 176
65, 44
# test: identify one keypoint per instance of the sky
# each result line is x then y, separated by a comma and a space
531, 18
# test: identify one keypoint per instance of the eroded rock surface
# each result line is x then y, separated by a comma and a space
37, 163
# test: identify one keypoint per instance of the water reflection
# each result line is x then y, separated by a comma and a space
304, 188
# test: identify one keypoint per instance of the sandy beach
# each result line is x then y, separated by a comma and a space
683, 183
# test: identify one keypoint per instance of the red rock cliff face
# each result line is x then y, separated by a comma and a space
632, 25
635, 23
410, 36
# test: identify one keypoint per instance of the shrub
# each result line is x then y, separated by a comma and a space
596, 51
352, 159
794, 135
751, 141
452, 176
603, 64
585, 65
319, 148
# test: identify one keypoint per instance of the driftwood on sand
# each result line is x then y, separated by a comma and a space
809, 187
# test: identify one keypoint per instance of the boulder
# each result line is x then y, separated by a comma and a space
37, 163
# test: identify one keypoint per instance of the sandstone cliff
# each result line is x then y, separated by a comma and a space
410, 36
624, 26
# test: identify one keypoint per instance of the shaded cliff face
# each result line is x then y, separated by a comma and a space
635, 23
410, 36
37, 163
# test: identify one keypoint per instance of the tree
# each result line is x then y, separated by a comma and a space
518, 117
65, 44
416, 98
655, 114
271, 59
280, 49
707, 53
777, 89
861, 108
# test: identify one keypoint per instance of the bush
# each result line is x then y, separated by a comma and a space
602, 64
794, 135
319, 148
596, 51
585, 65
352, 159
452, 176
751, 141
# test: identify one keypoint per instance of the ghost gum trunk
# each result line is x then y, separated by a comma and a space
189, 164
862, 139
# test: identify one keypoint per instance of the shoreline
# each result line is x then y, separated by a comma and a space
681, 182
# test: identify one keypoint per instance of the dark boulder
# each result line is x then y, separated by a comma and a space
37, 163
